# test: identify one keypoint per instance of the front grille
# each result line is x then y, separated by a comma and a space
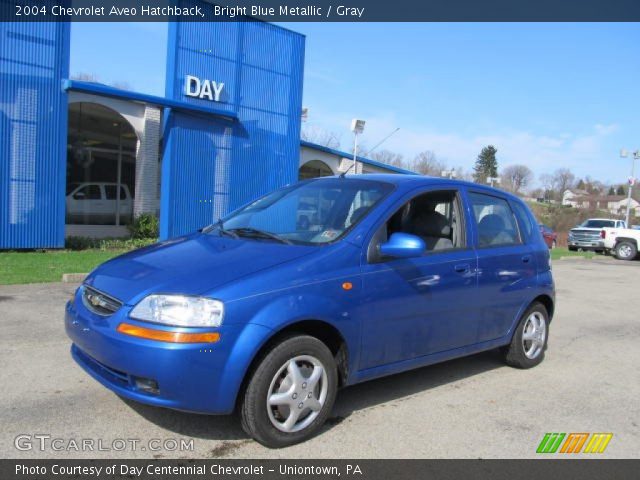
585, 236
98, 302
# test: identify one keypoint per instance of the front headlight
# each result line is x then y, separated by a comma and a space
179, 311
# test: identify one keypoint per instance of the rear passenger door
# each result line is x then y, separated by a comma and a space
506, 264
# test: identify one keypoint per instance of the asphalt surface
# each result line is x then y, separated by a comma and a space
472, 407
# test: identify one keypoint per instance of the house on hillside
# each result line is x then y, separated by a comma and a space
614, 204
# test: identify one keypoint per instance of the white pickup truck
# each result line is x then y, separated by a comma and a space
586, 236
623, 243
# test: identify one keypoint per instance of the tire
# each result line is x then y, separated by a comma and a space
573, 249
276, 377
626, 250
522, 354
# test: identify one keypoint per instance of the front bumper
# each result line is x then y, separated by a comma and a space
586, 244
201, 378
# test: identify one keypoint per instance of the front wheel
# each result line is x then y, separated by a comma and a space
290, 393
529, 341
626, 250
573, 249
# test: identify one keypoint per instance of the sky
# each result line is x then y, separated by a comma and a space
545, 95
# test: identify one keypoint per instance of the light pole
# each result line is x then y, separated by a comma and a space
632, 179
492, 180
357, 127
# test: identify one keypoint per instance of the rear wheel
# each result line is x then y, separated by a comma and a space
529, 341
626, 250
572, 249
291, 392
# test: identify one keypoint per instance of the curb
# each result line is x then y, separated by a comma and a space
73, 277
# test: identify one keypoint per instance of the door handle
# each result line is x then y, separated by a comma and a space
462, 268
526, 259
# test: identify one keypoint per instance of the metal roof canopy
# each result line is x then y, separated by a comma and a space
107, 91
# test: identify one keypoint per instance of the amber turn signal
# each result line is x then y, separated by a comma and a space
347, 286
166, 336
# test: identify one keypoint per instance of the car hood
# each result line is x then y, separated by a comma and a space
191, 265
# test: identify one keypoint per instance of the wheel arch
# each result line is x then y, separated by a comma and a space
548, 303
320, 329
626, 239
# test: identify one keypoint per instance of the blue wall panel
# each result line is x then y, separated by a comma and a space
34, 57
212, 166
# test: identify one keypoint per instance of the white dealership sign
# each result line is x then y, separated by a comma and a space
195, 87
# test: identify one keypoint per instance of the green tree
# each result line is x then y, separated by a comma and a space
581, 185
486, 165
612, 190
621, 190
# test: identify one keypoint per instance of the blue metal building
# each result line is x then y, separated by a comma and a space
82, 158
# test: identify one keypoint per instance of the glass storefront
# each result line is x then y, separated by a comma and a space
101, 160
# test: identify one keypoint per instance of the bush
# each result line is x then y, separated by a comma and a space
145, 226
79, 243
85, 243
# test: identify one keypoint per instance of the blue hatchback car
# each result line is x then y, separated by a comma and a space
318, 285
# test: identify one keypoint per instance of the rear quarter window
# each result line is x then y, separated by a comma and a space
524, 221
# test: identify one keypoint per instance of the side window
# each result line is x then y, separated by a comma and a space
435, 217
524, 221
110, 192
88, 192
495, 221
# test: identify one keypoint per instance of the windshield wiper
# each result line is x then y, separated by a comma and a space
221, 230
255, 233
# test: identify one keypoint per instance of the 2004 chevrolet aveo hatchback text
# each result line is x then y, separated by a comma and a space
319, 285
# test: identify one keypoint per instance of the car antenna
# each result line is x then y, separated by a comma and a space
343, 174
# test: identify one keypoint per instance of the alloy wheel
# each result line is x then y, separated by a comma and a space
624, 251
534, 335
297, 393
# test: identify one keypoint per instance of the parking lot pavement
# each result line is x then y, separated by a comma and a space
472, 407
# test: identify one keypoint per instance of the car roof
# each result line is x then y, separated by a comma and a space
412, 181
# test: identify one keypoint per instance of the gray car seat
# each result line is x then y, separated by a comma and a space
492, 231
433, 228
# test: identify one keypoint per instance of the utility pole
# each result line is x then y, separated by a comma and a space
632, 179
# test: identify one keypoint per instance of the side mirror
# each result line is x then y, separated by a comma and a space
403, 245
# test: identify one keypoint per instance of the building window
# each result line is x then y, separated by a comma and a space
101, 160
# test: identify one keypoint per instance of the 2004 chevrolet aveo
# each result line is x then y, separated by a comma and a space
319, 285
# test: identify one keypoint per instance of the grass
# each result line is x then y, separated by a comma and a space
558, 252
48, 266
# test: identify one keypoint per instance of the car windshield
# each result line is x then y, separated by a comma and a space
598, 223
311, 212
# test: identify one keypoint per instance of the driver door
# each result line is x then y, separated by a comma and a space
424, 305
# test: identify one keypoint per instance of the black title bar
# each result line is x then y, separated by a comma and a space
201, 469
321, 10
